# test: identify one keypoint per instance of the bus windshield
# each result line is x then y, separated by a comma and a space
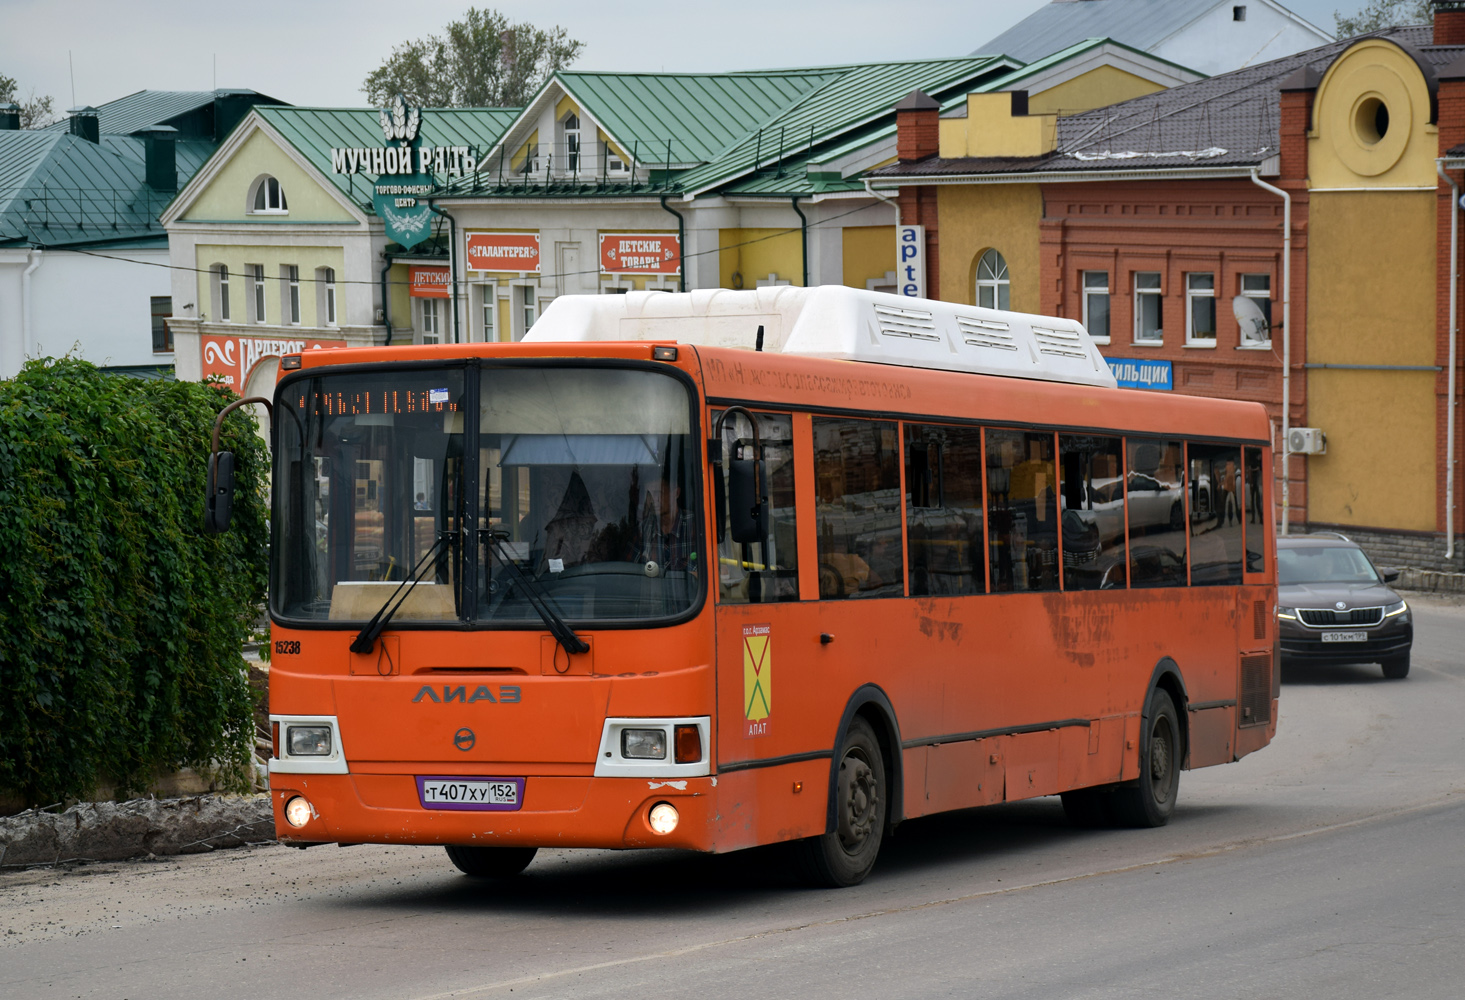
496, 489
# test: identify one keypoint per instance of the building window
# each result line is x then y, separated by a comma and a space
256, 292
432, 323
292, 293
325, 296
221, 285
1147, 326
528, 308
1096, 304
269, 198
490, 300
572, 143
992, 284
1238, 12
615, 163
1256, 324
162, 336
1200, 309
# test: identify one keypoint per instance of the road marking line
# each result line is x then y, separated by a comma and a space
1445, 801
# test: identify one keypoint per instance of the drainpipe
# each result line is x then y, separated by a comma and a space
26, 306
1439, 166
681, 242
1286, 341
452, 266
386, 300
880, 197
803, 237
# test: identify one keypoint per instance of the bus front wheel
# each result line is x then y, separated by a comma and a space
1150, 800
490, 862
845, 856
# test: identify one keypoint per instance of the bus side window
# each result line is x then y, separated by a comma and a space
1022, 511
1215, 514
857, 518
944, 510
1257, 520
1092, 516
758, 573
1155, 502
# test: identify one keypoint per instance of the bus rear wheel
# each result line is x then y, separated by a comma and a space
1150, 800
490, 862
845, 856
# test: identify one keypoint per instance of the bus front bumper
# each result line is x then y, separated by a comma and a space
555, 811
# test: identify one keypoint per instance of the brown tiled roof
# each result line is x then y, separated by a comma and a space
1229, 120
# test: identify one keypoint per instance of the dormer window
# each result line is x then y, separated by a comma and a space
269, 198
1238, 13
572, 143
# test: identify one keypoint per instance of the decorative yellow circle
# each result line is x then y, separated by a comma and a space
1356, 91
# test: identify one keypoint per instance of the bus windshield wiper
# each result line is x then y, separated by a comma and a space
365, 640
558, 627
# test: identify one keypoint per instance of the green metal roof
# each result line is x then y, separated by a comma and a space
154, 107
313, 132
59, 189
858, 99
688, 118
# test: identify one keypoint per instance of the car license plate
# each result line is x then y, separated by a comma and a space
1345, 637
470, 793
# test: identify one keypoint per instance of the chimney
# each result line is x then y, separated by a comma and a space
1449, 22
160, 155
9, 117
85, 123
917, 127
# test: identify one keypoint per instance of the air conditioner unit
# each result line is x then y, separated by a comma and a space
381, 315
1307, 441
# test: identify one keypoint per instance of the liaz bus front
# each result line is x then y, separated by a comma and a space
489, 602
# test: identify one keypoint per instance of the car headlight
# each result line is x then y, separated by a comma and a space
1399, 610
308, 741
1289, 614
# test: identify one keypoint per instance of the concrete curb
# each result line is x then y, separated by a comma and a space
111, 831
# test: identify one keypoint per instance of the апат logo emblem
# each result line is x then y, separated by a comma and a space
464, 739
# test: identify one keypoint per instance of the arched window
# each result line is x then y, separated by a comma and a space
992, 285
571, 127
269, 197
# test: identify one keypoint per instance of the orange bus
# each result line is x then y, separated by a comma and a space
724, 569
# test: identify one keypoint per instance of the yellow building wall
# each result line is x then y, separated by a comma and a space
1002, 216
1371, 301
306, 258
869, 253
991, 129
517, 160
399, 292
1098, 88
226, 196
1343, 150
753, 254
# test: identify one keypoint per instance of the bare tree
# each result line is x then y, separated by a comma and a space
34, 111
481, 61
1382, 14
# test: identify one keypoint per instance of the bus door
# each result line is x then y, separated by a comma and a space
759, 620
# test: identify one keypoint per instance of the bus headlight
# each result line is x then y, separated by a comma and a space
663, 818
643, 744
308, 741
298, 812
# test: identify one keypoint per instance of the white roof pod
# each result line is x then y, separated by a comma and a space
832, 321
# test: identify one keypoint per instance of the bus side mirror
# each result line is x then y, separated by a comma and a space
219, 504
748, 510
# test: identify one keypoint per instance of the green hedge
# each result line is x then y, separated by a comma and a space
121, 622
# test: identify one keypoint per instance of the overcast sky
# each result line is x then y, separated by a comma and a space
317, 52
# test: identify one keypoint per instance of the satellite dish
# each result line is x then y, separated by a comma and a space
1253, 322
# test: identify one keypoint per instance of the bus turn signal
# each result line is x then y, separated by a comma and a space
688, 744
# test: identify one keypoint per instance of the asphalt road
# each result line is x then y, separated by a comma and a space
1330, 865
